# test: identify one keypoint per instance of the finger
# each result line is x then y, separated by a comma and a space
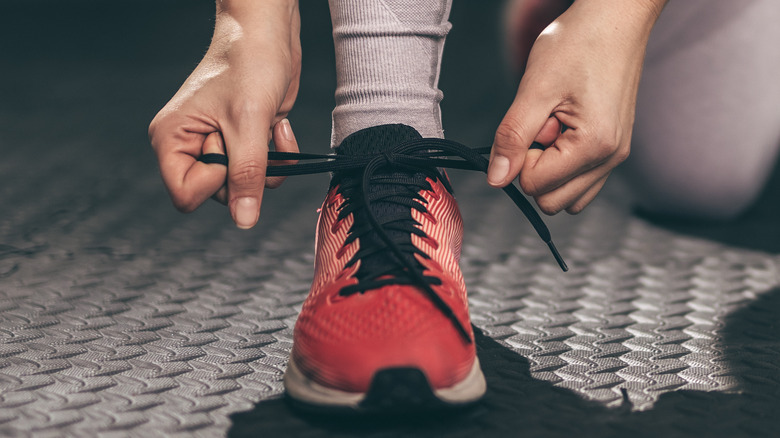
549, 132
588, 197
284, 141
246, 141
522, 123
547, 136
215, 145
570, 193
221, 196
569, 157
189, 182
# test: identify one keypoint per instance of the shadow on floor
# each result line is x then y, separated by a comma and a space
517, 404
756, 229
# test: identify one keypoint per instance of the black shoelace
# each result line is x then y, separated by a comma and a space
423, 155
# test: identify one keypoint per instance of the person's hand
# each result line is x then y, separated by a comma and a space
582, 75
234, 102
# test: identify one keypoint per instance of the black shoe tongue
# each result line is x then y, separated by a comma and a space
376, 139
372, 141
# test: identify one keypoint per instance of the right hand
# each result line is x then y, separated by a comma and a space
583, 73
234, 102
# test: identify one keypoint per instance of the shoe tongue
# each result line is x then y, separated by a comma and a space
376, 139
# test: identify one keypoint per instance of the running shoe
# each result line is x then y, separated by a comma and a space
386, 324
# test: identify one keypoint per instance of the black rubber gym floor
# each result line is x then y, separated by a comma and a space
121, 317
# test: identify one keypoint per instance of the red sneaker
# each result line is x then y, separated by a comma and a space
386, 324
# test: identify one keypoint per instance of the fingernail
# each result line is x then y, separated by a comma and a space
287, 130
498, 169
245, 212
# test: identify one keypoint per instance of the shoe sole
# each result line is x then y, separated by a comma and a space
392, 390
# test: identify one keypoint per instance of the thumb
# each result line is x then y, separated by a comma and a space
521, 124
246, 142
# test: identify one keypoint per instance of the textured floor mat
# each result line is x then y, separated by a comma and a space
120, 317
171, 328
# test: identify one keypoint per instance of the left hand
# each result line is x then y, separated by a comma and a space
583, 73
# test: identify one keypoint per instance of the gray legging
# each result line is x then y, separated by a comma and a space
707, 129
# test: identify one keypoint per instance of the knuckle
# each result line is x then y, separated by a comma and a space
603, 141
622, 153
160, 123
528, 185
509, 135
246, 174
184, 202
548, 206
154, 127
576, 208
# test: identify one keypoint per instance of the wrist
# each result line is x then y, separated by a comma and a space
653, 7
624, 22
642, 13
249, 8
253, 19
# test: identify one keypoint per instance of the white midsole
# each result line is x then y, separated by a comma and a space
303, 389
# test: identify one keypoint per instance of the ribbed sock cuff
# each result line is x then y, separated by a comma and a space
388, 58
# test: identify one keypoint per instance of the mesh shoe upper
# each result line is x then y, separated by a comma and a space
388, 292
364, 312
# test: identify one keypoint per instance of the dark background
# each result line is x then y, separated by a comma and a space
80, 81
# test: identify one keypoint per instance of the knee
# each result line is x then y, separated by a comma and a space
698, 195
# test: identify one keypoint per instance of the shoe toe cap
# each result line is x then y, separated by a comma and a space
344, 346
